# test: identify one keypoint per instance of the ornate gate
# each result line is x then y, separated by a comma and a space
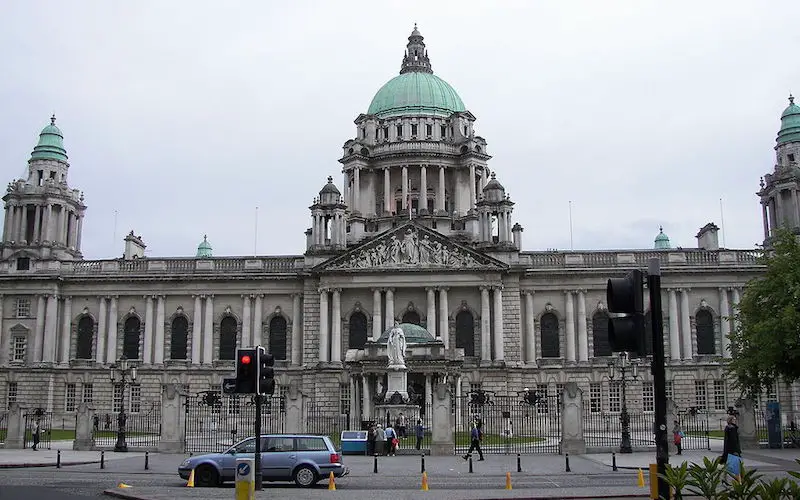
527, 423
214, 421
44, 419
694, 424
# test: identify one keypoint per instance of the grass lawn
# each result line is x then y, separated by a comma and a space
68, 434
464, 437
719, 434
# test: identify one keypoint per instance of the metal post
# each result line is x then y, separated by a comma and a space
422, 464
659, 374
375, 464
519, 463
613, 461
102, 459
257, 426
470, 463
121, 445
58, 460
567, 460
146, 460
625, 418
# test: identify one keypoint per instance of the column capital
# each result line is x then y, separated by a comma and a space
498, 287
580, 291
443, 288
161, 296
376, 289
527, 291
210, 296
323, 289
336, 290
484, 288
259, 295
431, 288
390, 289
568, 292
67, 298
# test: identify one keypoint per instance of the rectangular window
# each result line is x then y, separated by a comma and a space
69, 398
443, 131
23, 263
88, 393
700, 399
18, 348
648, 397
791, 157
23, 308
414, 130
428, 130
116, 398
11, 394
719, 395
399, 129
344, 399
135, 396
595, 397
614, 398
668, 389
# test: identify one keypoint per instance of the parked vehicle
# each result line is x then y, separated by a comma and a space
302, 458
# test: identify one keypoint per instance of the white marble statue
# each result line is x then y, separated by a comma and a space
396, 346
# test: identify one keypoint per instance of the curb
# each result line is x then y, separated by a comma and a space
124, 496
46, 464
115, 493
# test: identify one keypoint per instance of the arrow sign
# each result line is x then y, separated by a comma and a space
229, 385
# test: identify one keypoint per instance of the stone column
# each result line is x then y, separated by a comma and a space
501, 227
794, 208
297, 330
423, 190
247, 320
15, 428
428, 390
258, 319
530, 330
346, 191
440, 192
472, 194
389, 308
50, 223
509, 234
158, 349
208, 331
78, 233
197, 330
486, 325
724, 324
38, 340
387, 190
149, 321
404, 188
377, 320
172, 420
444, 317
84, 422
498, 323
686, 327
766, 220
51, 329
357, 190
336, 326
674, 334
366, 397
736, 298
570, 325
572, 440
66, 330
113, 318
324, 340
583, 334
100, 350
37, 227
672, 416
23, 229
431, 319
747, 424
442, 422
6, 222
354, 413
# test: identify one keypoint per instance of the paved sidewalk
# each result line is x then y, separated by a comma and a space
49, 458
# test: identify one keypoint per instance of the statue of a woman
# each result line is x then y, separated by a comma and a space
396, 346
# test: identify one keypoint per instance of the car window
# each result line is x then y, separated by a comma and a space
248, 446
275, 444
311, 444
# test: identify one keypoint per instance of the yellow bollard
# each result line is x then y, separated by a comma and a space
641, 479
654, 481
190, 482
508, 480
424, 481
331, 482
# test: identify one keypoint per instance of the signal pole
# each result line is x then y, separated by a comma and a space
659, 374
257, 464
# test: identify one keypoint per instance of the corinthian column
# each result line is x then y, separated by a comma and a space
389, 308
444, 317
423, 190
583, 335
686, 326
247, 320
51, 329
38, 339
258, 317
158, 350
387, 190
208, 331
736, 298
336, 326
498, 323
377, 320
297, 330
724, 322
472, 194
66, 329
486, 325
100, 351
197, 337
148, 330
674, 333
324, 339
530, 331
113, 318
431, 319
570, 325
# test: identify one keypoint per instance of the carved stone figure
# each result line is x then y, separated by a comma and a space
396, 347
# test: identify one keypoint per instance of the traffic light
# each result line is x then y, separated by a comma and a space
266, 374
626, 332
246, 371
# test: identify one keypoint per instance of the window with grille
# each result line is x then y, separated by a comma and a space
344, 399
18, 348
559, 390
595, 397
69, 397
648, 397
700, 396
235, 406
11, 394
135, 403
668, 389
88, 393
23, 308
116, 398
614, 398
541, 390
719, 395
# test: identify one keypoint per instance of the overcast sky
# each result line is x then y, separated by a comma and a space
184, 116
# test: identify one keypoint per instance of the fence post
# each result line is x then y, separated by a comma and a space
84, 424
172, 433
672, 416
443, 434
747, 423
15, 430
572, 440
295, 419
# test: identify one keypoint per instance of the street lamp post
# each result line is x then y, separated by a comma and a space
124, 371
623, 365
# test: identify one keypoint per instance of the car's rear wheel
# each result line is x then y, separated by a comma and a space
206, 475
305, 476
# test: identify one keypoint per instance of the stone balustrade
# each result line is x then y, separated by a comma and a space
638, 258
387, 148
216, 265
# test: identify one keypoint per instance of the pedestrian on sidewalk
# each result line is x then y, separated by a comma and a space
476, 435
391, 441
731, 445
677, 434
35, 429
380, 440
419, 431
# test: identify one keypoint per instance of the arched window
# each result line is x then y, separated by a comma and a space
411, 317
358, 331
277, 337
704, 326
465, 332
600, 334
551, 347
180, 338
227, 338
130, 338
85, 338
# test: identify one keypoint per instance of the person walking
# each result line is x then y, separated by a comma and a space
380, 440
35, 429
677, 435
419, 432
731, 445
391, 441
476, 435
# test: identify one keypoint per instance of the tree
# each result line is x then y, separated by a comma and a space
765, 341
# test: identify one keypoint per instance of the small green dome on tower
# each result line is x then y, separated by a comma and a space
662, 240
204, 248
415, 334
51, 144
790, 123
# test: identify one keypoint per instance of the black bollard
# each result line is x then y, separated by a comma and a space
470, 463
58, 460
613, 461
146, 460
422, 464
567, 459
519, 463
102, 459
375, 465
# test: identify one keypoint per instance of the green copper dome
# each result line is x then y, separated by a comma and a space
51, 144
662, 240
790, 123
415, 334
416, 93
204, 248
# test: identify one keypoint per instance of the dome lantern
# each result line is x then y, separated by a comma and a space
790, 123
662, 240
51, 144
204, 248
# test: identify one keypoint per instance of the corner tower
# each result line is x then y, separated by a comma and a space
44, 216
416, 156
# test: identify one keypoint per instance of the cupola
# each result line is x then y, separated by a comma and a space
662, 240
204, 248
790, 123
329, 194
494, 191
51, 144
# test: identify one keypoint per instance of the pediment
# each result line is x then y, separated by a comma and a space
411, 247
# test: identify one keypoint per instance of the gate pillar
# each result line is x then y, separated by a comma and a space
295, 414
15, 432
172, 417
572, 440
84, 424
747, 424
442, 439
672, 416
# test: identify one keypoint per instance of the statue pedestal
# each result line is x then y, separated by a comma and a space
396, 400
397, 383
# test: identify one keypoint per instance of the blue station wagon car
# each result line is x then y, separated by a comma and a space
304, 459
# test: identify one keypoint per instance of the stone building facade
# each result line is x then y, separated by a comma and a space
420, 233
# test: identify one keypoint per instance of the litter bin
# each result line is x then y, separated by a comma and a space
354, 442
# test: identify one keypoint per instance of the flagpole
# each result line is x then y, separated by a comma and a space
408, 199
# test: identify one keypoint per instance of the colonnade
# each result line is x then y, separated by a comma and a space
52, 222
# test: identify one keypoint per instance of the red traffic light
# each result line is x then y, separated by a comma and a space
246, 360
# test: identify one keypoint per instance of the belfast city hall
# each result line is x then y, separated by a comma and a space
419, 232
